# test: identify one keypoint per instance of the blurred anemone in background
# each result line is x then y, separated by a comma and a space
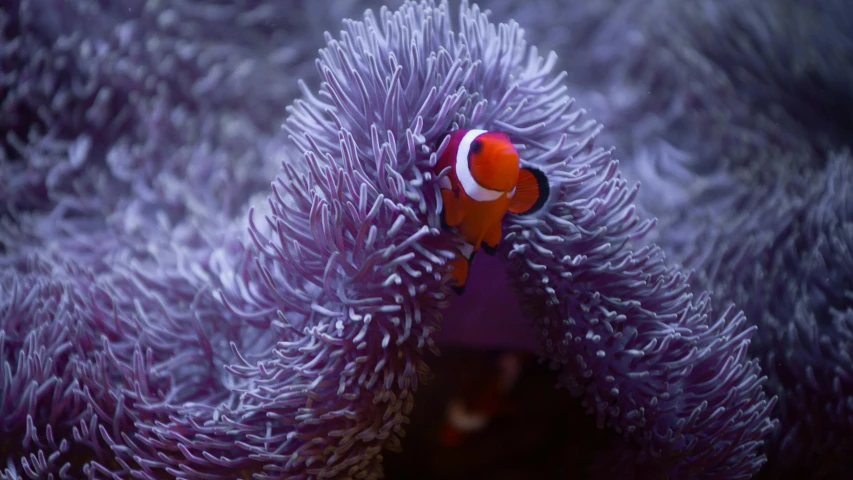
755, 164
116, 111
165, 313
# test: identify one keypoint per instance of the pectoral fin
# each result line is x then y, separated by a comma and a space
531, 191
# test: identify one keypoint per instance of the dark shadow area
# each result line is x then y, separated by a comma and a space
546, 437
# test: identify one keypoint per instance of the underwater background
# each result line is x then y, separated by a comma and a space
210, 269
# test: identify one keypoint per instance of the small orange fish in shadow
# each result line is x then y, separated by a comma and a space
485, 181
477, 404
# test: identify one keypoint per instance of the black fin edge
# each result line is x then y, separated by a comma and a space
544, 191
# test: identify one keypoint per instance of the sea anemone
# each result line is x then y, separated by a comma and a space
619, 322
783, 253
756, 175
805, 322
63, 388
117, 111
295, 348
45, 425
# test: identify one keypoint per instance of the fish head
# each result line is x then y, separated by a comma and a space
494, 161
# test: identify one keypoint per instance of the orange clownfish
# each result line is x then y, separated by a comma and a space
483, 398
485, 181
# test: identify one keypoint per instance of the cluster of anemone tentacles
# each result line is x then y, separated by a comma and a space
188, 291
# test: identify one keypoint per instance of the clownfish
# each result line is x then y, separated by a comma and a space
485, 181
478, 402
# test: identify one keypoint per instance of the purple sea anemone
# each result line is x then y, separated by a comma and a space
591, 308
45, 424
188, 342
756, 173
117, 111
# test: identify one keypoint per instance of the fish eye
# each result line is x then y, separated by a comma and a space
476, 146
